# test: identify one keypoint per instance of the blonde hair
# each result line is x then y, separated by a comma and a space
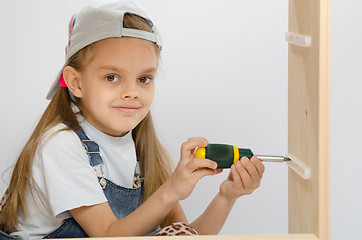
154, 160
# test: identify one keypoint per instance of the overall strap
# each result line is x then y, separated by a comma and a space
92, 149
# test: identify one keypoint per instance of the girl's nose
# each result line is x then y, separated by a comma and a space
130, 91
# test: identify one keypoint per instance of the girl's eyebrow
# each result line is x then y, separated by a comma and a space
114, 68
109, 67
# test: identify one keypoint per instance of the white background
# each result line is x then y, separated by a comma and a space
223, 76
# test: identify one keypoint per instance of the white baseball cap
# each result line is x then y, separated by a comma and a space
103, 19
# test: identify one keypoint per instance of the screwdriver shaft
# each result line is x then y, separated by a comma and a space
267, 158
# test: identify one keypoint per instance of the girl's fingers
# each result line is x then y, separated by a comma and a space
198, 163
203, 172
244, 173
259, 165
188, 147
236, 178
187, 155
251, 169
253, 181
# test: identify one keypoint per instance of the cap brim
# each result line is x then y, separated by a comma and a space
53, 89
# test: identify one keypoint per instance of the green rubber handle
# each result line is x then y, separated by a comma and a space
224, 155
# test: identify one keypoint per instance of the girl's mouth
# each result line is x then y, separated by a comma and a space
127, 109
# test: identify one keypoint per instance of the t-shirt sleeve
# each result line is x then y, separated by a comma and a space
69, 179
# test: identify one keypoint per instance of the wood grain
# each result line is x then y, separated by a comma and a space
308, 117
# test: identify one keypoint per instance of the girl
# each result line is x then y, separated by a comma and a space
93, 165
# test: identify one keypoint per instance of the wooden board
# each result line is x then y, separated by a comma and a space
226, 237
308, 113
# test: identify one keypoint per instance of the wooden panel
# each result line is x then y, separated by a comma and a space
308, 113
230, 237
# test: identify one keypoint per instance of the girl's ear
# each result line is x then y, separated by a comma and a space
71, 78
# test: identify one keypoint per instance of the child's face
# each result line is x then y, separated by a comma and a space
117, 84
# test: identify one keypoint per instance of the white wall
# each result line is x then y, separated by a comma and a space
223, 77
346, 119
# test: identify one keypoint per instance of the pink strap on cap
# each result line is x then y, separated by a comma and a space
62, 82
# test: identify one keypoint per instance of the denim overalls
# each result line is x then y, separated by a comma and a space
122, 201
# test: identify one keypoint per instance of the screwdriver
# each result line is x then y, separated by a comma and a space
226, 155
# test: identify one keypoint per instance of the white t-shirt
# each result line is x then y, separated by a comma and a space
65, 180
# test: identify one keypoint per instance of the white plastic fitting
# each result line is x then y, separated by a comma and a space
298, 39
297, 166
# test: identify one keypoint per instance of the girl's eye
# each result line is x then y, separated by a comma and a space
144, 80
111, 78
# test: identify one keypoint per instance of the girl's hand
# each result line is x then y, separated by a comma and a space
245, 176
189, 170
